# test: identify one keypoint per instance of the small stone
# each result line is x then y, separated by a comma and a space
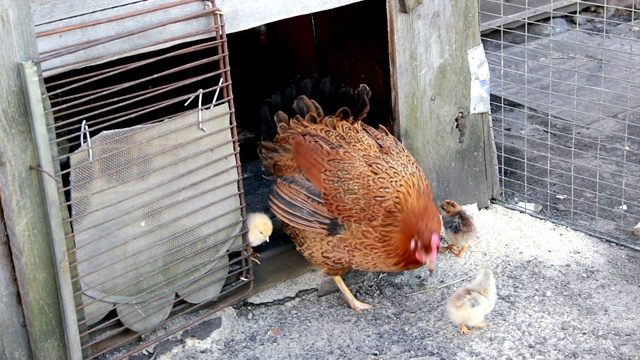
276, 331
250, 316
547, 293
578, 20
560, 25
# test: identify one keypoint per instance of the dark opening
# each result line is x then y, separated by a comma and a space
341, 43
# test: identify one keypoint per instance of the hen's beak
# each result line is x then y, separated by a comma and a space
432, 267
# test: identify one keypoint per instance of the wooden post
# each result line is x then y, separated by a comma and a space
13, 334
21, 194
431, 83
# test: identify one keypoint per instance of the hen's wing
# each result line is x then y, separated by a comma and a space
297, 202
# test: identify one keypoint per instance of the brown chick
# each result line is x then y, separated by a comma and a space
259, 228
469, 305
458, 227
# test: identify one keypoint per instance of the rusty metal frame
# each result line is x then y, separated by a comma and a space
53, 123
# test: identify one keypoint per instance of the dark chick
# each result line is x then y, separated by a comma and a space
458, 227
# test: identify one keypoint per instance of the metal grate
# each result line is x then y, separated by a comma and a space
140, 157
566, 111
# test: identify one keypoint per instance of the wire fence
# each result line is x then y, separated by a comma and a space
565, 105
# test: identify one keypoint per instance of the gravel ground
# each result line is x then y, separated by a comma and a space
561, 294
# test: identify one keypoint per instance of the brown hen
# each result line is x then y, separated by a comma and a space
350, 196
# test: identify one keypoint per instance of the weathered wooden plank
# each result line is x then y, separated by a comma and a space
20, 191
14, 341
177, 25
32, 85
432, 78
406, 6
239, 15
278, 265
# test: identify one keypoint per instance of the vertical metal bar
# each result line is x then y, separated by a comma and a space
32, 85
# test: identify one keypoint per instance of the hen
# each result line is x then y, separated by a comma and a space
350, 196
459, 228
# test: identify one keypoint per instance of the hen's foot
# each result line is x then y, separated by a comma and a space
464, 329
353, 302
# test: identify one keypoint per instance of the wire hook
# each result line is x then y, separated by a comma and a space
216, 95
200, 126
84, 128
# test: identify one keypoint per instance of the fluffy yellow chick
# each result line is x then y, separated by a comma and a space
470, 304
259, 228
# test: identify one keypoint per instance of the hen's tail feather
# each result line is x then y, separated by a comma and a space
267, 125
361, 109
305, 106
297, 202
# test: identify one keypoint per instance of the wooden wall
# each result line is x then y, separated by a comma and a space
23, 205
432, 85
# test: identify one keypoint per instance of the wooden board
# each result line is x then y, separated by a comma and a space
13, 335
573, 75
239, 15
22, 200
431, 80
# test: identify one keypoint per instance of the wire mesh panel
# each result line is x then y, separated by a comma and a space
145, 161
566, 111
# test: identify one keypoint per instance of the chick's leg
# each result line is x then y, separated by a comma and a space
464, 329
459, 253
355, 304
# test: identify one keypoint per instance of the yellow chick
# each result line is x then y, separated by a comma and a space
470, 304
259, 228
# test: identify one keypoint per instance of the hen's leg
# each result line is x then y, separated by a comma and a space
355, 304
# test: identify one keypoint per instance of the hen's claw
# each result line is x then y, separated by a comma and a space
359, 305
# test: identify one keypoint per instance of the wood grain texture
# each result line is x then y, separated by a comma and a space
14, 341
431, 73
239, 15
20, 191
